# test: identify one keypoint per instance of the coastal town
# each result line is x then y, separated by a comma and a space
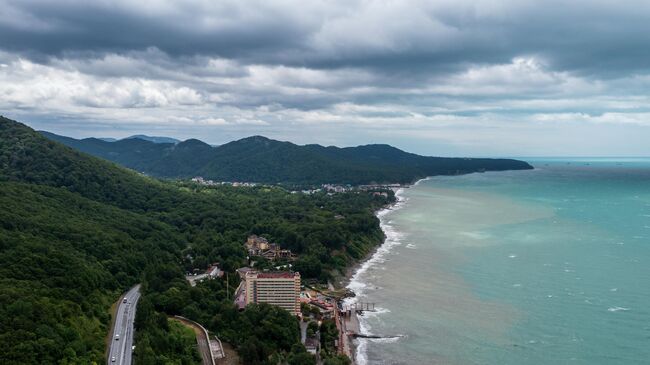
330, 189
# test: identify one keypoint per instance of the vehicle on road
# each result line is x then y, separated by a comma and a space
120, 349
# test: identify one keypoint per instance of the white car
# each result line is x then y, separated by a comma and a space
113, 359
117, 337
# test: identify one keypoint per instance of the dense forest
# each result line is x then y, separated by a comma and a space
259, 159
76, 231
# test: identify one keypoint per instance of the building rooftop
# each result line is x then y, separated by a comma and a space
277, 275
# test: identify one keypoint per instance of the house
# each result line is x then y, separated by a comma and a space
256, 245
260, 246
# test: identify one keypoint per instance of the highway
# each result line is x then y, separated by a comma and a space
121, 342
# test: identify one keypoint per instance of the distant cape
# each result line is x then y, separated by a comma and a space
263, 160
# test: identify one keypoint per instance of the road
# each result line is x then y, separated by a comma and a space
303, 331
202, 340
120, 349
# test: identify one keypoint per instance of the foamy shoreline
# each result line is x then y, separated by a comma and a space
392, 239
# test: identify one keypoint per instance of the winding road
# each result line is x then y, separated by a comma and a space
202, 339
120, 349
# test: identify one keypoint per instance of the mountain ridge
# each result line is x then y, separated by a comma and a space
264, 160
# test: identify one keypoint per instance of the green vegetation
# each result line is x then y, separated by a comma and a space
163, 341
328, 334
63, 260
337, 360
312, 328
301, 357
259, 159
76, 231
261, 333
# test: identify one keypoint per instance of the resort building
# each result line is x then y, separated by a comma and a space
260, 246
280, 288
256, 245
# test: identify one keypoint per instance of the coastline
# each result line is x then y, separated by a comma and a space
351, 282
351, 271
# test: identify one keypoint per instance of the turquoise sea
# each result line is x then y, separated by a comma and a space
547, 266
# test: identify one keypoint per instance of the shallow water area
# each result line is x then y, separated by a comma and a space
535, 267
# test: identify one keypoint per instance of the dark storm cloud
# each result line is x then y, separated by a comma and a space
378, 70
431, 37
54, 28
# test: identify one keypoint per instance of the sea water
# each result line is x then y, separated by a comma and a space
545, 266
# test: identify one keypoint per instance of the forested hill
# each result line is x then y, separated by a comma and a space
76, 231
259, 159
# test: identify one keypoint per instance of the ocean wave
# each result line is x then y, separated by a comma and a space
421, 180
393, 238
618, 309
361, 356
378, 311
386, 340
356, 284
476, 235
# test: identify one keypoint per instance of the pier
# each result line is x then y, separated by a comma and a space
347, 322
358, 308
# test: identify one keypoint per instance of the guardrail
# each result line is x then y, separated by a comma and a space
207, 337
223, 354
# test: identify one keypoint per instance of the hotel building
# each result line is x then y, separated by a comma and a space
277, 288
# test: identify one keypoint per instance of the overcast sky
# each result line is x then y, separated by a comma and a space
450, 77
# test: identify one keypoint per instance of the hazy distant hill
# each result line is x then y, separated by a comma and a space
259, 159
153, 139
107, 139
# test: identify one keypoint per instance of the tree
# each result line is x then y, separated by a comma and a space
308, 266
303, 358
338, 359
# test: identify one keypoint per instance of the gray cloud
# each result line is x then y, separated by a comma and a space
580, 35
475, 76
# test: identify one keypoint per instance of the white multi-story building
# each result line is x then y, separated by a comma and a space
277, 288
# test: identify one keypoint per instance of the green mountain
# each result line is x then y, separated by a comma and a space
71, 238
76, 231
259, 159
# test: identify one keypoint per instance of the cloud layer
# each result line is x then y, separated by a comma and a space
437, 77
